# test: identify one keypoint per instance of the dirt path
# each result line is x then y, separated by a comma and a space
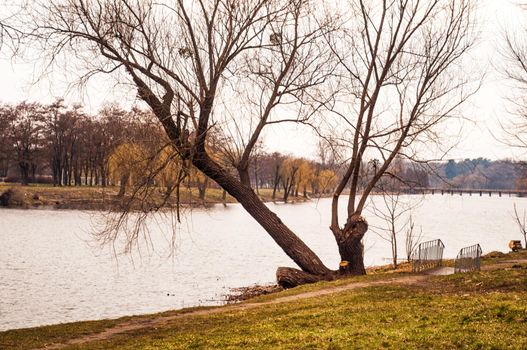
137, 324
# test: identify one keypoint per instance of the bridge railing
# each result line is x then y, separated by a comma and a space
468, 259
428, 255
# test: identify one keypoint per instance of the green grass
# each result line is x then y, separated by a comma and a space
373, 318
38, 337
28, 338
480, 310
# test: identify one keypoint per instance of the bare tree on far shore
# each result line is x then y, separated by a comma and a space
395, 211
521, 224
412, 238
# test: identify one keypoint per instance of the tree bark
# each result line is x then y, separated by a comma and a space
288, 277
351, 249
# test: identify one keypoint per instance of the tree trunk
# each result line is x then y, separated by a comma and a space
276, 181
55, 169
33, 172
351, 249
201, 191
122, 185
103, 177
224, 197
65, 176
256, 175
286, 193
293, 246
202, 188
24, 173
168, 189
394, 249
288, 277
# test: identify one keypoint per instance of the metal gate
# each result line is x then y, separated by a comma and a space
468, 259
428, 255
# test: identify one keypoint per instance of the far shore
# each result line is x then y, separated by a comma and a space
45, 196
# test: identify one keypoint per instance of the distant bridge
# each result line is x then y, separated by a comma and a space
470, 192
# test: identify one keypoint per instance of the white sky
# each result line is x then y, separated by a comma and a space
17, 83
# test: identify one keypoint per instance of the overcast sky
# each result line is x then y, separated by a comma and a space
17, 83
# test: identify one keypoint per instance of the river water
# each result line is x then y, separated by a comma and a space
52, 271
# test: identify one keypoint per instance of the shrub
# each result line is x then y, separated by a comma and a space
12, 197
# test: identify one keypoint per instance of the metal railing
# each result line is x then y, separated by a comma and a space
468, 259
428, 255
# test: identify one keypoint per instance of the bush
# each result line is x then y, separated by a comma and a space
494, 254
12, 197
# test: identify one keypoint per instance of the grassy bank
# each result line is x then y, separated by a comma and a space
97, 197
480, 310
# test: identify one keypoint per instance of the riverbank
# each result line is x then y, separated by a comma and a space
37, 196
485, 309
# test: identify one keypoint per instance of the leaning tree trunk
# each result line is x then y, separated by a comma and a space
351, 249
293, 246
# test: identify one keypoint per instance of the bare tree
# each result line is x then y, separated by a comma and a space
412, 238
289, 176
521, 224
395, 212
515, 69
400, 65
278, 162
6, 144
244, 65
25, 133
184, 58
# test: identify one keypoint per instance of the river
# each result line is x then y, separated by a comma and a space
52, 271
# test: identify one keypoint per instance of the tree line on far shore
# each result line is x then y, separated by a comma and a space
65, 146
482, 173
